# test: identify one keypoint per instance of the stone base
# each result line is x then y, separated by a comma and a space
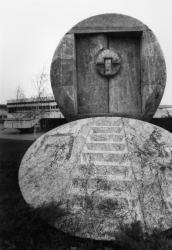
102, 172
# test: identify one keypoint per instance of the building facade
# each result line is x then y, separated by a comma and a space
164, 111
24, 114
3, 112
29, 112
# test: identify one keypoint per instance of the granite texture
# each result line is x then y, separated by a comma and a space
136, 90
102, 172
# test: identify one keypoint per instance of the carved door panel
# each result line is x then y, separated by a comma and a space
92, 89
125, 86
108, 73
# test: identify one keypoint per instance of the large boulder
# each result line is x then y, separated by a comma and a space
103, 173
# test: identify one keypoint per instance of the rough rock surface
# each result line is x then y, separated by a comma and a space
136, 90
102, 172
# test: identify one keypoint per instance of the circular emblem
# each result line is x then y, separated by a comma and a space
108, 63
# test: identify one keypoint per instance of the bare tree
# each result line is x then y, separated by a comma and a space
20, 93
41, 84
19, 96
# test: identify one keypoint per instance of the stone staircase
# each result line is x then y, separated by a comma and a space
106, 146
104, 168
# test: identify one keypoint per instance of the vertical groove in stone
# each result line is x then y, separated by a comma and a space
135, 180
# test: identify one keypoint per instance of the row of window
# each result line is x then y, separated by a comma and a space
3, 116
16, 109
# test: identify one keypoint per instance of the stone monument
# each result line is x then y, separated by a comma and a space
108, 65
106, 169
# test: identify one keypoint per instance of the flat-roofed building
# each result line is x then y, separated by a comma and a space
28, 112
3, 112
164, 111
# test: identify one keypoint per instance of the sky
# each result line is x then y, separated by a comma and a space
30, 30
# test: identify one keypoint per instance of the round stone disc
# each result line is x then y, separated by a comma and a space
102, 172
137, 79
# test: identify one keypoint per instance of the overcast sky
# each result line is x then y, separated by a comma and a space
31, 29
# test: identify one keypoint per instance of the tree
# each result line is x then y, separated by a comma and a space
41, 84
20, 93
19, 96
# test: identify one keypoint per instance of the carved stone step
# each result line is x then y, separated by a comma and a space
106, 146
98, 201
106, 129
81, 195
125, 163
106, 183
106, 137
108, 123
104, 157
118, 170
85, 150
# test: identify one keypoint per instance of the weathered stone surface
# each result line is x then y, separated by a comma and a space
102, 172
134, 91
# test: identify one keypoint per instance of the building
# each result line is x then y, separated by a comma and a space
163, 117
164, 111
25, 114
3, 112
